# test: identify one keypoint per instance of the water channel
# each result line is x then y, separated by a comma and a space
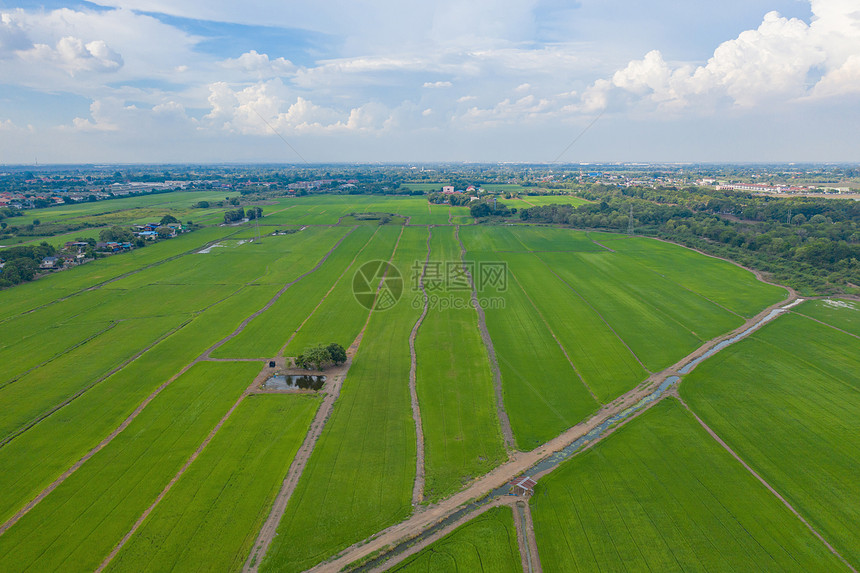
574, 447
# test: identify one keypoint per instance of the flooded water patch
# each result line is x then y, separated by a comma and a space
294, 382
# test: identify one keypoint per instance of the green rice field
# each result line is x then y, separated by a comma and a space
135, 433
485, 544
788, 401
661, 495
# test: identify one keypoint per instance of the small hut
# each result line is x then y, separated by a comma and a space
523, 486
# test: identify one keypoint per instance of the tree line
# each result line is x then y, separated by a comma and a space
811, 244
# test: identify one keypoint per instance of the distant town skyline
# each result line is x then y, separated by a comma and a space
492, 80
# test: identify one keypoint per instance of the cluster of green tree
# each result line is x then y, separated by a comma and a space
7, 213
456, 199
810, 244
490, 208
20, 264
320, 356
254, 213
234, 215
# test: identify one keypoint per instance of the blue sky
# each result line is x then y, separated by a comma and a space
401, 81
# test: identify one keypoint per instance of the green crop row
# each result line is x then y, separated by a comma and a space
359, 478
210, 518
462, 435
787, 400
76, 525
661, 495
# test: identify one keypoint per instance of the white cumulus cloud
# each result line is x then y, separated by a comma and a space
784, 59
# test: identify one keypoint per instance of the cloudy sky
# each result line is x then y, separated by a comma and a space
448, 80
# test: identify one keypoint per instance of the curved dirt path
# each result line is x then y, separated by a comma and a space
269, 530
520, 462
418, 487
125, 423
504, 421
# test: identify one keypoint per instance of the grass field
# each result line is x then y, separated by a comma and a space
571, 320
88, 514
31, 461
600, 354
360, 475
787, 400
455, 385
720, 281
266, 335
843, 314
339, 318
662, 495
210, 518
543, 394
486, 544
37, 393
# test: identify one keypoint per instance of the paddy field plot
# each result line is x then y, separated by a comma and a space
660, 494
462, 434
787, 400
842, 314
543, 393
486, 544
726, 284
359, 478
268, 333
602, 357
210, 518
541, 200
340, 318
31, 461
38, 392
75, 526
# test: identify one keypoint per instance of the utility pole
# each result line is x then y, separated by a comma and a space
630, 221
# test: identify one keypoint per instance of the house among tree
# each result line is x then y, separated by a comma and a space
49, 263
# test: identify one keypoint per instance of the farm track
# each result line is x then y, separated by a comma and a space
522, 461
767, 485
528, 545
418, 488
552, 332
437, 535
116, 278
269, 530
504, 421
328, 292
203, 357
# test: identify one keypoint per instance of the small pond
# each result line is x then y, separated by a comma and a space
294, 382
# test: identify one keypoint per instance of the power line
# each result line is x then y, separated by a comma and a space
581, 133
281, 136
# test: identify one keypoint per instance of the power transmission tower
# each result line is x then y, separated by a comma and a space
630, 221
